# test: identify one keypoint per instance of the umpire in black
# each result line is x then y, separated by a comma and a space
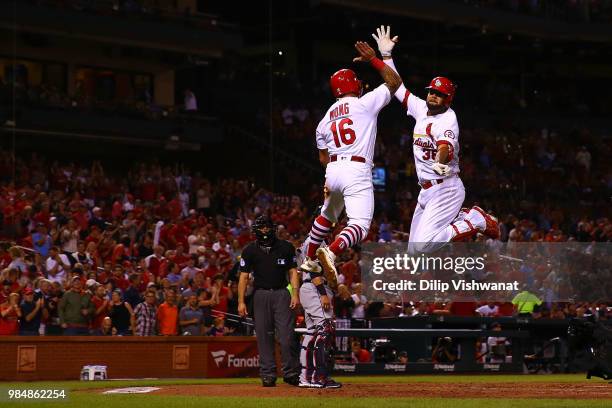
272, 260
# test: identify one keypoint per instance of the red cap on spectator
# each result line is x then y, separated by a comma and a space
28, 291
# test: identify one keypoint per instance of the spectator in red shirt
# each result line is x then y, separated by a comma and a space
117, 210
118, 279
192, 221
8, 213
180, 232
295, 217
350, 269
221, 293
148, 189
244, 237
122, 251
506, 309
95, 235
180, 257
146, 277
105, 274
44, 214
6, 290
463, 308
213, 266
175, 207
167, 315
165, 239
101, 306
81, 217
10, 313
358, 354
153, 262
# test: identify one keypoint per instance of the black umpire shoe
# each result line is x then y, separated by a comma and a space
294, 380
268, 382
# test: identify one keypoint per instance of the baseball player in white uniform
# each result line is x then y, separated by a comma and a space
438, 217
345, 138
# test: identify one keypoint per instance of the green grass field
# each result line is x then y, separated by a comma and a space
95, 400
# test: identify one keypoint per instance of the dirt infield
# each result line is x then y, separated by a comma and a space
506, 390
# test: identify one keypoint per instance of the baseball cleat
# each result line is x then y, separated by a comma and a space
492, 226
310, 265
268, 382
328, 261
306, 384
329, 383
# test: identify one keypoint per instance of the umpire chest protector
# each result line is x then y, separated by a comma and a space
269, 264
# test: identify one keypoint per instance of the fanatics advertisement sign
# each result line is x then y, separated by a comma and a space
236, 359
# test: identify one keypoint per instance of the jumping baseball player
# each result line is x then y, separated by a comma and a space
345, 138
438, 217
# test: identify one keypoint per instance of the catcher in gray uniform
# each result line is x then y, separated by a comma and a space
315, 355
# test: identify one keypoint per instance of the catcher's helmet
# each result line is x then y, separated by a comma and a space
345, 81
267, 237
445, 86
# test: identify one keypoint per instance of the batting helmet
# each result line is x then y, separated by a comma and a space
445, 86
345, 81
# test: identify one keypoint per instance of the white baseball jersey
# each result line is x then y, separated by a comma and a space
349, 125
437, 218
429, 133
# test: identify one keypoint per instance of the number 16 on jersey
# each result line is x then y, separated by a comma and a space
342, 132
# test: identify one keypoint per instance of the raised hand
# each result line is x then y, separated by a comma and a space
384, 41
366, 53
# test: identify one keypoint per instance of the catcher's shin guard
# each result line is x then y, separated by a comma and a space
323, 342
306, 359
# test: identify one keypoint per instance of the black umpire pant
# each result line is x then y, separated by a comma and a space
272, 311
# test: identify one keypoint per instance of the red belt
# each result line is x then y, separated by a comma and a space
359, 159
429, 183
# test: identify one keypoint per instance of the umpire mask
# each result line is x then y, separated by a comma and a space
265, 231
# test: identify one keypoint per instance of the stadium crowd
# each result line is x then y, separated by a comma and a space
155, 251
